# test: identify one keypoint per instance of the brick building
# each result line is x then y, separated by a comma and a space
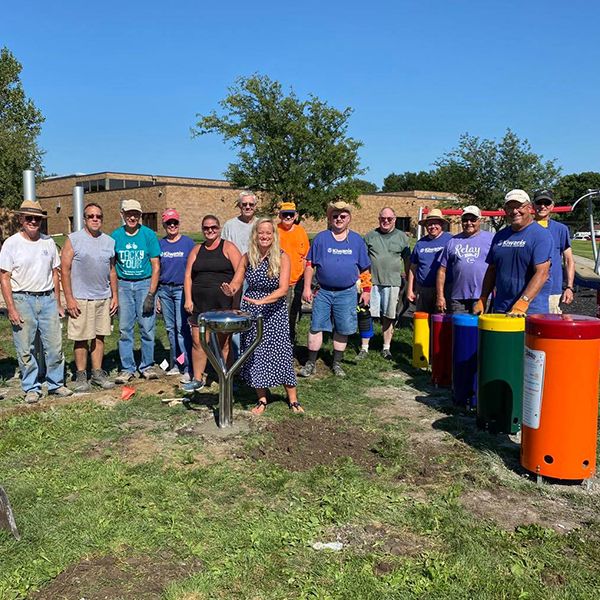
194, 197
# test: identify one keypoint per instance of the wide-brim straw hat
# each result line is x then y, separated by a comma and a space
32, 207
339, 205
433, 214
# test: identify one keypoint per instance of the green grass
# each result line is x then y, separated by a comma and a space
582, 248
251, 524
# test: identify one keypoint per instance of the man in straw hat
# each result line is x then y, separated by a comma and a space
425, 261
519, 262
339, 256
29, 276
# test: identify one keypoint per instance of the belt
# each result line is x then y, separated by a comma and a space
142, 279
171, 284
46, 293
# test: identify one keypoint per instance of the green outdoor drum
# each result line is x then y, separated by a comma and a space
500, 373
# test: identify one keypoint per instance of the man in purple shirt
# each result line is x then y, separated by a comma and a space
464, 259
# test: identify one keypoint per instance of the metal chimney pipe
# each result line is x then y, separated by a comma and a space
28, 185
77, 208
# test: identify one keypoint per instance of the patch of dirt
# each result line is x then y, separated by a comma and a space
301, 444
111, 577
510, 509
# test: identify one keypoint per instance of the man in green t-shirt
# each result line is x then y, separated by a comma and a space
390, 254
138, 265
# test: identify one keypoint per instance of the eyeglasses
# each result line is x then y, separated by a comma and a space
93, 217
32, 219
133, 215
210, 228
341, 217
387, 218
543, 202
522, 208
433, 224
248, 204
287, 215
172, 223
470, 219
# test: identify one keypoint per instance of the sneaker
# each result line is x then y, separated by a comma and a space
149, 373
124, 377
193, 386
61, 392
173, 371
100, 379
32, 397
337, 370
81, 382
308, 369
387, 355
362, 355
185, 378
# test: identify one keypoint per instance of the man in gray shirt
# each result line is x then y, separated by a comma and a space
89, 283
237, 230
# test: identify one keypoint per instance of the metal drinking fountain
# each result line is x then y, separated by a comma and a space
226, 321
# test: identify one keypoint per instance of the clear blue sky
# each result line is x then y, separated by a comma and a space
120, 83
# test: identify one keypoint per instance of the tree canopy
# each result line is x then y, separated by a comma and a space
20, 126
287, 147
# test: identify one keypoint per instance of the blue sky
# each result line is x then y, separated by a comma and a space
120, 83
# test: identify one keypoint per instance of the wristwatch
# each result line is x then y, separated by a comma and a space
525, 298
569, 287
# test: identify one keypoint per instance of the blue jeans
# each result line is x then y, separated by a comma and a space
171, 302
39, 313
131, 301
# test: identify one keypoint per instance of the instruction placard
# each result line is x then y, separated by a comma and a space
533, 386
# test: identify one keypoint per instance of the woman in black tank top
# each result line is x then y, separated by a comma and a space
210, 264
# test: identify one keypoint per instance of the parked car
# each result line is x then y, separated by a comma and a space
582, 235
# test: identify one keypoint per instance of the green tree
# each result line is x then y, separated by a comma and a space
362, 186
286, 147
20, 126
570, 188
483, 170
409, 181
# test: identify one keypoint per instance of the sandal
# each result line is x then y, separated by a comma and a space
296, 407
260, 407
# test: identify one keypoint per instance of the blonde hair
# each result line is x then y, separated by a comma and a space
274, 254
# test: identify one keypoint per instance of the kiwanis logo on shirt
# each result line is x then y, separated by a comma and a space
512, 244
339, 250
430, 250
131, 257
168, 254
467, 252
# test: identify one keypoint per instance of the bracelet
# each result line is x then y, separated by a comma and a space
569, 288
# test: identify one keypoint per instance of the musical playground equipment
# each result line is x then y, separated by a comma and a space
464, 360
441, 349
500, 373
420, 350
560, 396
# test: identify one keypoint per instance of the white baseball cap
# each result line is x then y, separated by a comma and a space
519, 195
472, 210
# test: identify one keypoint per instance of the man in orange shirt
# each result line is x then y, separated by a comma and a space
294, 242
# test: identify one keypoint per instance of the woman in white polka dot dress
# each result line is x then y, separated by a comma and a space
267, 272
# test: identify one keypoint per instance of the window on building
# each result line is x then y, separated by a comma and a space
132, 183
403, 223
150, 220
116, 184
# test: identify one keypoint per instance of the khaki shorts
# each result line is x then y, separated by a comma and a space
554, 304
93, 321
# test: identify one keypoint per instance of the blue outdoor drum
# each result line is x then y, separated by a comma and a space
464, 360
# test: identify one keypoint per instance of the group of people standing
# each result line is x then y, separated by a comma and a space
264, 267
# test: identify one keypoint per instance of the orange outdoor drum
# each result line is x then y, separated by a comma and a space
560, 396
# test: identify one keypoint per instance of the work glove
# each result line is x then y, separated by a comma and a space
148, 308
478, 307
519, 308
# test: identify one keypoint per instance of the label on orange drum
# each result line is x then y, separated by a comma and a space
533, 386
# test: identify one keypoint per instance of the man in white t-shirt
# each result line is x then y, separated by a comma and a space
29, 277
237, 230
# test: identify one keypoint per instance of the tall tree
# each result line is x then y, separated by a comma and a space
409, 181
287, 147
570, 188
20, 125
483, 170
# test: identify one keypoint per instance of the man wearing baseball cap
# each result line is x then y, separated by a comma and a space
463, 259
518, 262
174, 251
29, 275
425, 261
137, 264
293, 240
543, 203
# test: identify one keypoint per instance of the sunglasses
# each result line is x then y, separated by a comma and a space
93, 217
210, 228
32, 219
248, 204
287, 215
386, 218
339, 217
543, 203
172, 223
470, 219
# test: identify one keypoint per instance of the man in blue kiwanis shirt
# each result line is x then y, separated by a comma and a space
519, 262
338, 256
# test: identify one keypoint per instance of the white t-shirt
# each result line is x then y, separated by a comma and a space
29, 263
238, 232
